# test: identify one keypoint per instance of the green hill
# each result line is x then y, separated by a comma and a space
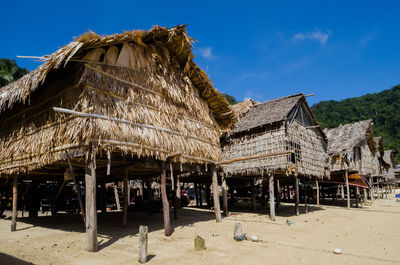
383, 108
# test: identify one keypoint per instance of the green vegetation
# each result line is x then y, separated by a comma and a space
383, 108
232, 100
10, 71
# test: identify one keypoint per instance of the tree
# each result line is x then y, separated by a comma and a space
231, 99
10, 71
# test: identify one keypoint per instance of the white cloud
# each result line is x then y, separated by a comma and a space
321, 37
206, 52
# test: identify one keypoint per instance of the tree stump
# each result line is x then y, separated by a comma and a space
199, 243
142, 244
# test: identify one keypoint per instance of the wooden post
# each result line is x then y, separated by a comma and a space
91, 210
140, 182
342, 191
371, 190
167, 224
217, 208
177, 193
253, 196
348, 190
278, 196
305, 198
126, 201
296, 186
142, 244
14, 204
196, 194
77, 189
237, 230
225, 196
201, 194
365, 195
271, 198
317, 186
175, 188
117, 197
386, 191
357, 193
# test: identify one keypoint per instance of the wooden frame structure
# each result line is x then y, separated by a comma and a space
131, 105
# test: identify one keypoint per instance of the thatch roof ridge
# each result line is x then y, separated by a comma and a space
344, 138
175, 38
268, 112
244, 106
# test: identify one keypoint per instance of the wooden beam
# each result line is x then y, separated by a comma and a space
177, 192
77, 188
217, 208
224, 196
348, 190
167, 225
271, 198
126, 201
14, 204
91, 210
296, 187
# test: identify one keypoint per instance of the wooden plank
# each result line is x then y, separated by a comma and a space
217, 208
271, 198
14, 204
167, 224
91, 210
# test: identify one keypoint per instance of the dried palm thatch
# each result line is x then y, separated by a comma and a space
279, 136
239, 109
378, 164
389, 158
351, 146
138, 92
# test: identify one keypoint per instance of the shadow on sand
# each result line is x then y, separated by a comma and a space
7, 259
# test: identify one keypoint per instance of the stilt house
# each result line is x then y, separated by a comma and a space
278, 138
113, 107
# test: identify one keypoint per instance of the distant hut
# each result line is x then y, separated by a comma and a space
278, 139
110, 108
351, 148
389, 174
379, 167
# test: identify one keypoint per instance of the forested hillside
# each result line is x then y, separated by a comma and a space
383, 108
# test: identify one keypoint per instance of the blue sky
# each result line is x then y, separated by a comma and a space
250, 49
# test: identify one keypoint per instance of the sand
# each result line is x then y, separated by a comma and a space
370, 235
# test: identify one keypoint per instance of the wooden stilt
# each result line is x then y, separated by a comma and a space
372, 190
167, 224
348, 190
305, 198
225, 196
253, 196
317, 186
177, 204
77, 189
217, 208
174, 183
271, 198
91, 210
365, 195
296, 187
357, 195
342, 191
116, 196
278, 195
126, 201
14, 204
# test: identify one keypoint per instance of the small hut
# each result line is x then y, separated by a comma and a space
389, 174
351, 148
277, 139
106, 108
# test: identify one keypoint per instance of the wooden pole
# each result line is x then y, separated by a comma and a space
225, 196
342, 191
317, 186
126, 201
365, 195
167, 224
279, 195
348, 190
253, 196
305, 198
14, 204
296, 186
177, 194
77, 188
142, 244
357, 193
217, 208
91, 210
371, 190
271, 198
174, 184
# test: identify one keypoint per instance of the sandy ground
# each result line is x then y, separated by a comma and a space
370, 235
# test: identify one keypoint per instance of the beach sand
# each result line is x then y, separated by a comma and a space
369, 235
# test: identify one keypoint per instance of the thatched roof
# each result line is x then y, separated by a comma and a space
378, 141
241, 108
389, 158
267, 113
175, 39
345, 137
